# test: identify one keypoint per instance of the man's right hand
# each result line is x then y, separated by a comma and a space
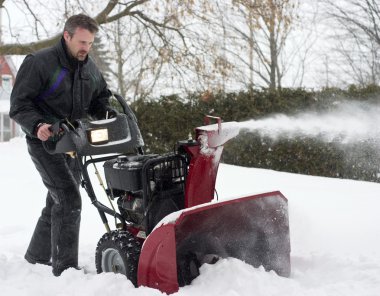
43, 132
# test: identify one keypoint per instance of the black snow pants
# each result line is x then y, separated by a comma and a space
56, 235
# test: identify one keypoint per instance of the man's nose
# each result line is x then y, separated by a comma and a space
86, 47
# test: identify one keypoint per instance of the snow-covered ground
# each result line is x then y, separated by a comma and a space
334, 224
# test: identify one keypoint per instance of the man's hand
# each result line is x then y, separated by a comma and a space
43, 132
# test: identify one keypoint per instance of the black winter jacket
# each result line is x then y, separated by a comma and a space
51, 86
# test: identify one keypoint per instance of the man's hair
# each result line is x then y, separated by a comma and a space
80, 21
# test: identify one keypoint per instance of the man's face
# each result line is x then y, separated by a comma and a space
80, 43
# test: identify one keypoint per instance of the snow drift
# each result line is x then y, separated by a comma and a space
334, 231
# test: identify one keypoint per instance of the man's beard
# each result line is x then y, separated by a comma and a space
81, 55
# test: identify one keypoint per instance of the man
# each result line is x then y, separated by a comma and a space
57, 83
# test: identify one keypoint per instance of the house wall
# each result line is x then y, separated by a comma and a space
8, 128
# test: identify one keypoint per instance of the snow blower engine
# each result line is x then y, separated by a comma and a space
167, 222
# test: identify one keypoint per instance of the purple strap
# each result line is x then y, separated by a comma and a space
53, 87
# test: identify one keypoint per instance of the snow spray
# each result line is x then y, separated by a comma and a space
352, 129
347, 123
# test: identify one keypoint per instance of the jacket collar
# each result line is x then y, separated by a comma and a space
65, 58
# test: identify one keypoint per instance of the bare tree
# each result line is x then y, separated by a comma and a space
111, 11
267, 26
170, 46
357, 32
154, 43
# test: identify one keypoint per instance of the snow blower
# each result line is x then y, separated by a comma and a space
168, 223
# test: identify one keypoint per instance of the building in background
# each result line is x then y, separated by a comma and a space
8, 128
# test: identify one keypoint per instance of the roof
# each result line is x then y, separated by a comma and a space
11, 65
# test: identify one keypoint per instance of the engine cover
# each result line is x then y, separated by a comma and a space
124, 172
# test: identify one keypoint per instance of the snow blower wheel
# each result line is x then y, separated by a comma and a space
118, 252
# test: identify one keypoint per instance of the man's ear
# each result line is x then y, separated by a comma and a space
66, 35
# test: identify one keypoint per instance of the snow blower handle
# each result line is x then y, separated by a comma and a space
61, 132
60, 127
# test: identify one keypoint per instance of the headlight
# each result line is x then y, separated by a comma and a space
98, 136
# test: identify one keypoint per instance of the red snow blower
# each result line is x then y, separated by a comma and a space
167, 223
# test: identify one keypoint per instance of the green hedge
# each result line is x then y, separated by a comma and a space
166, 120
